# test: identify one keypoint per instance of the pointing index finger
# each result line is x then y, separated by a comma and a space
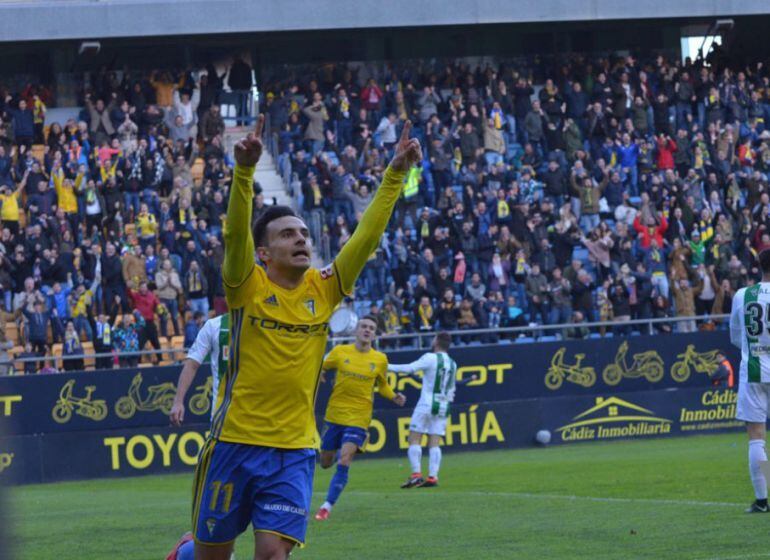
260, 124
405, 132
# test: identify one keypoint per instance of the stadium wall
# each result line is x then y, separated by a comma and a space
75, 19
61, 430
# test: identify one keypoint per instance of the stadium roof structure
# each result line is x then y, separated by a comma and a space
37, 20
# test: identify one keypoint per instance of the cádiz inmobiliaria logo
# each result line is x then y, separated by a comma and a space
613, 418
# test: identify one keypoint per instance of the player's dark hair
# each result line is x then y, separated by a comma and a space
443, 340
259, 229
764, 261
371, 318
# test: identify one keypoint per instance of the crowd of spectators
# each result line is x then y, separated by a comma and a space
584, 190
112, 221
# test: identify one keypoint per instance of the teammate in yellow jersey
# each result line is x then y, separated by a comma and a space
349, 411
257, 464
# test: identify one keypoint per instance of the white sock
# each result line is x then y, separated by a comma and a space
756, 455
434, 462
415, 458
327, 506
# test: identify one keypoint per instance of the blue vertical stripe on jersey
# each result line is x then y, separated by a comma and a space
232, 374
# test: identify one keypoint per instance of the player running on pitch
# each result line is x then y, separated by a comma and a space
349, 411
430, 413
213, 340
257, 464
750, 331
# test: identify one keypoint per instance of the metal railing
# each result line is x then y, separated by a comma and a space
422, 339
535, 332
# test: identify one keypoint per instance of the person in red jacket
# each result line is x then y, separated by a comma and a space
371, 96
653, 230
666, 149
146, 303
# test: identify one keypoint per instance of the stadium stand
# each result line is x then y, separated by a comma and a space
582, 189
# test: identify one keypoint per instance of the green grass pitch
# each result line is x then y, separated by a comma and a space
658, 499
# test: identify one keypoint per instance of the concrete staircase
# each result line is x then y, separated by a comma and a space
266, 174
269, 179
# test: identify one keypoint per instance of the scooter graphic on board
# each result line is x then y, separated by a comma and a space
574, 373
200, 402
702, 362
159, 397
646, 364
95, 410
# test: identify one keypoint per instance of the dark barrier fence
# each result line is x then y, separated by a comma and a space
115, 423
142, 397
506, 424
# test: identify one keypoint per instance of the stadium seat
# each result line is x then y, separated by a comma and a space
56, 351
524, 340
12, 332
177, 343
88, 349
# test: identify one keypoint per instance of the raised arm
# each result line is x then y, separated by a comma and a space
423, 362
239, 243
365, 239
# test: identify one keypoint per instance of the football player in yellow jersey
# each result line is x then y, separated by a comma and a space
349, 411
257, 464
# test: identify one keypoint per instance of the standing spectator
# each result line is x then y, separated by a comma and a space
103, 341
126, 338
212, 124
38, 328
23, 122
195, 289
314, 132
448, 313
513, 314
146, 303
192, 328
112, 276
559, 290
72, 349
537, 295
424, 314
684, 300
589, 193
134, 268
101, 125
169, 287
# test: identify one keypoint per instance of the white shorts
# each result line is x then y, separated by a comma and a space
424, 422
753, 399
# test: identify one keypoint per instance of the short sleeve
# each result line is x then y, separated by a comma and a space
328, 281
331, 360
203, 343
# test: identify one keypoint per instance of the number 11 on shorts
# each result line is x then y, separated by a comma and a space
226, 489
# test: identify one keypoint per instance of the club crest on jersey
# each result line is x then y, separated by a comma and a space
371, 366
310, 304
272, 300
327, 272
